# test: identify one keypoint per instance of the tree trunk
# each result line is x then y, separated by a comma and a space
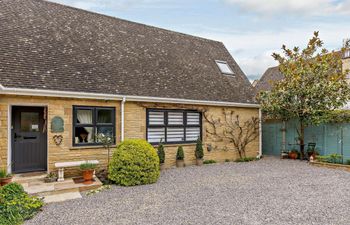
243, 153
301, 139
240, 153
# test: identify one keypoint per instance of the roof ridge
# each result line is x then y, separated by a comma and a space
129, 21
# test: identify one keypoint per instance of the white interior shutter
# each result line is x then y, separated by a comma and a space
175, 118
156, 118
192, 133
175, 134
154, 135
193, 118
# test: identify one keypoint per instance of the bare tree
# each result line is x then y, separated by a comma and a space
231, 128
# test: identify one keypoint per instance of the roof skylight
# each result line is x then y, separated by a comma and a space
224, 67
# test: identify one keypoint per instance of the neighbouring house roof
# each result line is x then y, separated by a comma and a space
266, 81
273, 74
48, 46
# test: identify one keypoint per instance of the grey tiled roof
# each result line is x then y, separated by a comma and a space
271, 75
49, 46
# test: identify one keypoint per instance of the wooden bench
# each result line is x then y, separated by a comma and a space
62, 165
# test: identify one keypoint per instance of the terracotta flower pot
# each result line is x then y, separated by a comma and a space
199, 162
88, 175
180, 163
5, 180
293, 155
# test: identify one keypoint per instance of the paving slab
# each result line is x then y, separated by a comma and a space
62, 197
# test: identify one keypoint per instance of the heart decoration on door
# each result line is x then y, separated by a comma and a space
58, 139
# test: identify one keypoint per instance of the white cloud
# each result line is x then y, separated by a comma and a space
253, 50
293, 7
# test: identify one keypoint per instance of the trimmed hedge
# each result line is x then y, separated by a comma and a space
199, 149
16, 205
180, 155
161, 153
135, 162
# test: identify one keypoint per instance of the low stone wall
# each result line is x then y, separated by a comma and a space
331, 165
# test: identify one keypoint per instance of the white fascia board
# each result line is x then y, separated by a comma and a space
85, 95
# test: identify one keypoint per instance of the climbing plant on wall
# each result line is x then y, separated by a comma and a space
233, 128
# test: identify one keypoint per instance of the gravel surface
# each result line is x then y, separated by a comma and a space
270, 191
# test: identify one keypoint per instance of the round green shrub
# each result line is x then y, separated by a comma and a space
135, 162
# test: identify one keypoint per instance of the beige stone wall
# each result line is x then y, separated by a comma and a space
346, 64
135, 127
56, 107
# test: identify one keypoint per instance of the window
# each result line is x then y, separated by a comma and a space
90, 121
224, 67
29, 121
173, 126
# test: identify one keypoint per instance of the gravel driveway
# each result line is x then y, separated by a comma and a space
269, 191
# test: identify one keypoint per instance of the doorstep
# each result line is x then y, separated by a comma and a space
56, 191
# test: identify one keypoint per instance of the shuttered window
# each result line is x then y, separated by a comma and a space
173, 126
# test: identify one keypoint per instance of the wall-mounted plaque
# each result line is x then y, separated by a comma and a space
57, 125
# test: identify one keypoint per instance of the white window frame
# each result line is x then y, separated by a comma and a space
227, 65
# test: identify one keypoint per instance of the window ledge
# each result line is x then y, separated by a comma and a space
89, 147
175, 145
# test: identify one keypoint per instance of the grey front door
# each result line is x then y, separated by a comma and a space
29, 139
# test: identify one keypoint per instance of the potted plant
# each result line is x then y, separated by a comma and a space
180, 157
161, 155
88, 172
199, 152
51, 177
5, 178
293, 154
311, 149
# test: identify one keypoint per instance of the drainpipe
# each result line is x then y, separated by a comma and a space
260, 134
122, 119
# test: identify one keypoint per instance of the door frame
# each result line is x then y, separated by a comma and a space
9, 132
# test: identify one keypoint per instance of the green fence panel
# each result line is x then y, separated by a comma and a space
315, 134
332, 139
269, 136
329, 138
346, 141
291, 135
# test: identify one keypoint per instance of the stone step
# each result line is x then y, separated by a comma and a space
39, 188
26, 178
62, 197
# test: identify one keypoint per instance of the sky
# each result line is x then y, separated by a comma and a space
250, 29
